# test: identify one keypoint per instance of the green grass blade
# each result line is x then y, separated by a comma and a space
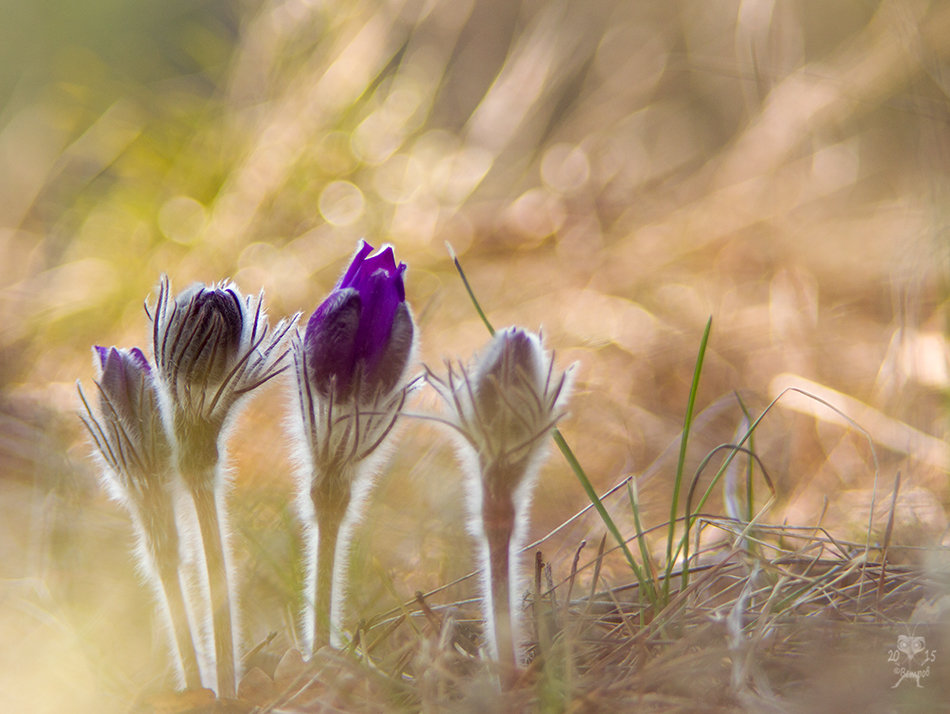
588, 487
750, 471
468, 288
633, 495
681, 462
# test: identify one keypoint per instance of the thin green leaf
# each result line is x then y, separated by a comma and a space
468, 288
641, 540
681, 462
604, 515
750, 471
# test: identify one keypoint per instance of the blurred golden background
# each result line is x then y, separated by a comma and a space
613, 172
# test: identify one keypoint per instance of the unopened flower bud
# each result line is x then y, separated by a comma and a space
510, 404
507, 403
136, 457
361, 336
212, 346
204, 334
128, 430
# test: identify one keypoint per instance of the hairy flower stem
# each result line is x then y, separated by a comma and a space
328, 535
163, 544
206, 507
176, 607
154, 518
331, 498
498, 518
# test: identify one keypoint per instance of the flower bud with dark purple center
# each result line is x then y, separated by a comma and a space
207, 328
212, 346
198, 340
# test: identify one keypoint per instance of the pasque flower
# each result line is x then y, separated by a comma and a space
350, 367
501, 411
136, 459
212, 347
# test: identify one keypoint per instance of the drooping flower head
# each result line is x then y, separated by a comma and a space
361, 335
128, 429
212, 346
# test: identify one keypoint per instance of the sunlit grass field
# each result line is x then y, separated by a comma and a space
612, 173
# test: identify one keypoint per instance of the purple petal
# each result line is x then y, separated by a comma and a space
102, 353
330, 341
121, 381
139, 358
380, 301
382, 261
392, 362
356, 263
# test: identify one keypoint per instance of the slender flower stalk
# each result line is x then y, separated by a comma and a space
212, 347
501, 411
350, 366
137, 471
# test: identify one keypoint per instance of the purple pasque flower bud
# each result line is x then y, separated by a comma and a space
352, 360
206, 333
128, 430
212, 346
361, 336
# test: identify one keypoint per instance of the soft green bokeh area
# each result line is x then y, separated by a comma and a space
613, 171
